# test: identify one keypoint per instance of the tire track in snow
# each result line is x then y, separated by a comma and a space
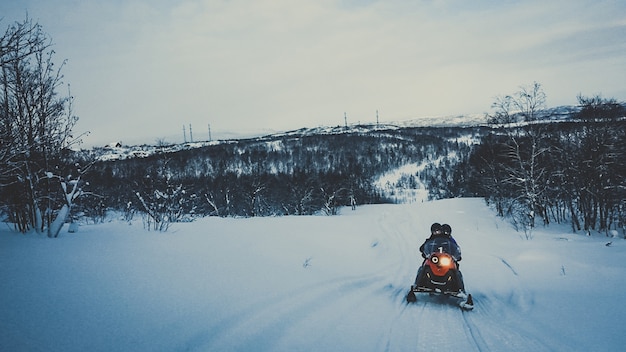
395, 237
415, 329
520, 296
440, 326
418, 325
397, 245
264, 323
500, 321
499, 326
268, 319
483, 327
406, 322
473, 333
389, 333
282, 313
400, 241
508, 265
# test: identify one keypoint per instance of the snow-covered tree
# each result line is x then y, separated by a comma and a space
72, 189
162, 199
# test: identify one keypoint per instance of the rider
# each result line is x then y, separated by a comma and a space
441, 236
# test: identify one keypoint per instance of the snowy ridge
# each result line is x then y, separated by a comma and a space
120, 152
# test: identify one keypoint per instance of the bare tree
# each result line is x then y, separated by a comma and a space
21, 40
598, 172
36, 128
529, 101
525, 175
523, 106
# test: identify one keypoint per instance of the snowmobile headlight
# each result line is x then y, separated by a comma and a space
434, 259
445, 261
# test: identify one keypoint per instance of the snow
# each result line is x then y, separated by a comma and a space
310, 283
388, 183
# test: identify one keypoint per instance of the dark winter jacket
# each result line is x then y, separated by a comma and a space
441, 242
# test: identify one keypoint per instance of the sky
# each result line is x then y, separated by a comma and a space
141, 70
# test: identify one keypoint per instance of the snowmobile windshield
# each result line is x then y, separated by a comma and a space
439, 245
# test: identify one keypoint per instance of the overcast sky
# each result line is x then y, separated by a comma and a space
140, 70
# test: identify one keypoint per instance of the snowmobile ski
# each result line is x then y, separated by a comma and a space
466, 301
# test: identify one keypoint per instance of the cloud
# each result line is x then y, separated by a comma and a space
143, 68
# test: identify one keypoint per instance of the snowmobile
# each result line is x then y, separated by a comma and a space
439, 275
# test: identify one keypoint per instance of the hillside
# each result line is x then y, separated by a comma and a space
295, 173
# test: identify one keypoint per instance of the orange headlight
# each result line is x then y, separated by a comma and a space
445, 261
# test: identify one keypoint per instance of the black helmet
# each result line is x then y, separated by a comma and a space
447, 230
436, 227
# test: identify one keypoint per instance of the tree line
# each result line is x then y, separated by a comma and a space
535, 171
275, 175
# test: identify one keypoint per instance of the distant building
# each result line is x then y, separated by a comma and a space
114, 145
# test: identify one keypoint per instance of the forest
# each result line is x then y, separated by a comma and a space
571, 171
269, 176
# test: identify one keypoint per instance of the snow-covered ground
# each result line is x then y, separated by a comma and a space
310, 283
388, 184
